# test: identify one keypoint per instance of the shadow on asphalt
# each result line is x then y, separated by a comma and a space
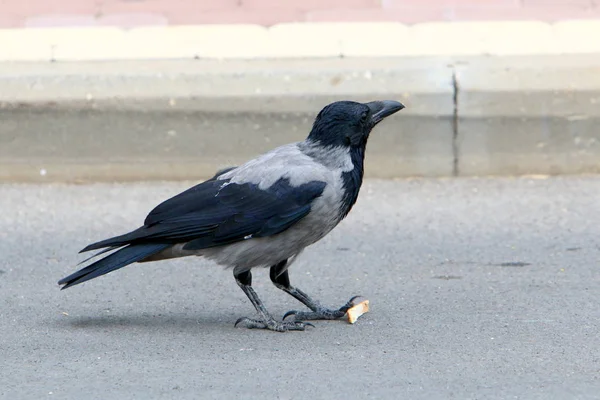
152, 322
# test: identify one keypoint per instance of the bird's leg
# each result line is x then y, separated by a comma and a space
279, 276
266, 321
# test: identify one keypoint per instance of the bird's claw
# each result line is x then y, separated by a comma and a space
322, 312
351, 303
271, 324
287, 314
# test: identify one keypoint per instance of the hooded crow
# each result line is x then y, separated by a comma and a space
260, 214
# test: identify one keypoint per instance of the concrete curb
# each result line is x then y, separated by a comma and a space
300, 40
183, 119
530, 115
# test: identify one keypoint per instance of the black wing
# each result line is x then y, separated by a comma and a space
218, 212
187, 200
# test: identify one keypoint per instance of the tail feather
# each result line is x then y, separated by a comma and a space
117, 241
106, 250
112, 262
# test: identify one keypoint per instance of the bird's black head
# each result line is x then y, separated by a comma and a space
347, 123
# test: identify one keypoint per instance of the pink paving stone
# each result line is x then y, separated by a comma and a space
165, 6
116, 20
412, 15
41, 7
132, 20
406, 15
128, 13
59, 20
547, 14
446, 3
574, 3
10, 21
260, 17
310, 4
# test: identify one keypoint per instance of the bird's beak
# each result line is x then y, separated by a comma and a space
382, 109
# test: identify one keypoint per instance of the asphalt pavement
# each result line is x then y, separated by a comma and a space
479, 289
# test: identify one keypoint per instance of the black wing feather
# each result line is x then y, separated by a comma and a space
218, 212
184, 201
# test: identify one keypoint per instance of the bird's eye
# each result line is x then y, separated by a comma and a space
364, 117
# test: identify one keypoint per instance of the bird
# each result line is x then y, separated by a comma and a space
263, 213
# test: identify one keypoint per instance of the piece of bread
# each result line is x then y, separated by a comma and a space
358, 310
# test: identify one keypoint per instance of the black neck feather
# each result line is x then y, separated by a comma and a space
352, 180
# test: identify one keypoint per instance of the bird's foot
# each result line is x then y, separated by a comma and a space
322, 312
271, 324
